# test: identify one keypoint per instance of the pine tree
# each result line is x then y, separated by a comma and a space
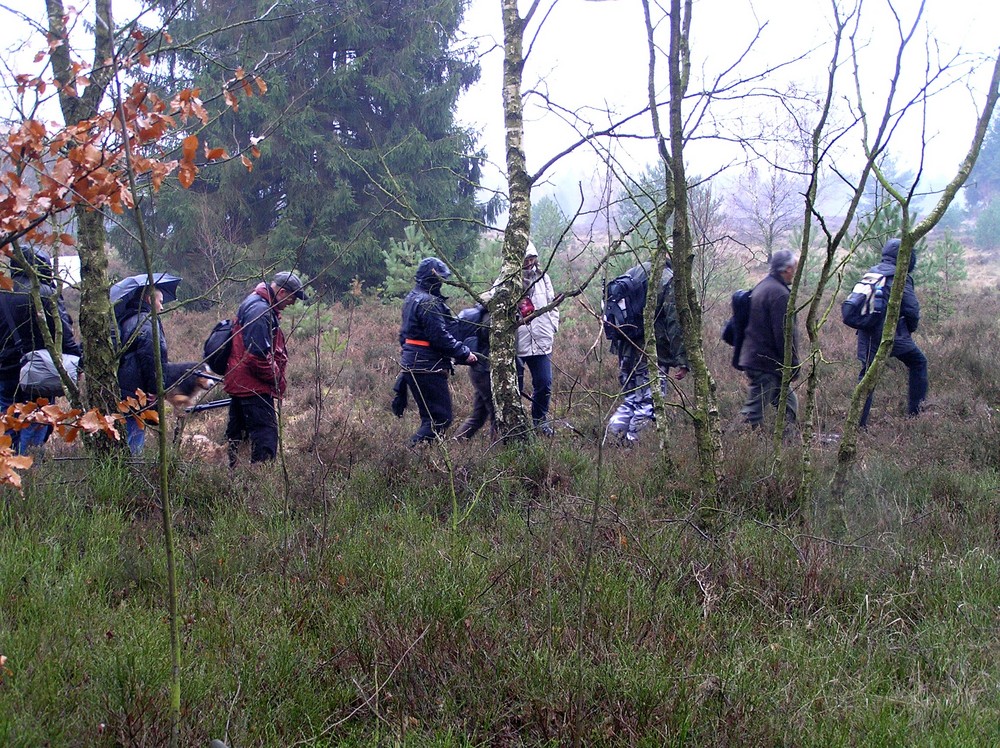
356, 136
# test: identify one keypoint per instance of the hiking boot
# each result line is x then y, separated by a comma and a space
546, 429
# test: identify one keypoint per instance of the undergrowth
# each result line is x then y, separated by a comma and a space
363, 593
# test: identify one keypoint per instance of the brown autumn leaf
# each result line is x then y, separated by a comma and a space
189, 148
186, 174
91, 421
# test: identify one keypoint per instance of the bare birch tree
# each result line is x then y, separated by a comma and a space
909, 235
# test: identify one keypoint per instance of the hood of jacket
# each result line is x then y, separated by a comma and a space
890, 254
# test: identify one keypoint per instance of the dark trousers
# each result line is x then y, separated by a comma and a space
482, 403
765, 389
916, 364
430, 390
541, 384
255, 419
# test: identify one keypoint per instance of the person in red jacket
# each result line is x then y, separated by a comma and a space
255, 375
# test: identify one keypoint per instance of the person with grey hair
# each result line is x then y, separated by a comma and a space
255, 373
763, 353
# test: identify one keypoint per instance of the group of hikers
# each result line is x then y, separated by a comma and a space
432, 339
254, 376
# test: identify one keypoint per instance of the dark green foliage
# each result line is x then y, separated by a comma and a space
638, 203
940, 270
548, 222
358, 132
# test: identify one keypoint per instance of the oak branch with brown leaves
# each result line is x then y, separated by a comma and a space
94, 164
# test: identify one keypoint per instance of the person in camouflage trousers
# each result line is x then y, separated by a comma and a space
635, 412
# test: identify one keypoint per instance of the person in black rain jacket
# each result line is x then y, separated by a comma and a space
427, 351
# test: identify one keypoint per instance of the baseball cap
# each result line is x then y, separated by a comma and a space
290, 282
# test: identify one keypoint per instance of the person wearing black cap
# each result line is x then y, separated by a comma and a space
255, 375
427, 351
20, 334
903, 346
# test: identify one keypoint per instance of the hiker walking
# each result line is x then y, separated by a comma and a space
133, 301
903, 347
137, 367
625, 303
535, 339
427, 350
473, 329
763, 354
255, 373
20, 334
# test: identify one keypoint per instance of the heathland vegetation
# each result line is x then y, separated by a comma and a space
361, 592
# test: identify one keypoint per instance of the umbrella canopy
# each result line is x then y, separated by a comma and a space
127, 289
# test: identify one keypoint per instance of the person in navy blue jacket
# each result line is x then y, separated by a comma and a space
428, 349
903, 347
137, 367
473, 328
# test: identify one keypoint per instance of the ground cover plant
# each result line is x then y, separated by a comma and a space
362, 593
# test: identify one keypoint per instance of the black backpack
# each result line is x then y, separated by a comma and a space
624, 300
219, 344
735, 329
865, 305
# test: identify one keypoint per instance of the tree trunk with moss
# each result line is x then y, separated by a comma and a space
707, 425
99, 362
511, 420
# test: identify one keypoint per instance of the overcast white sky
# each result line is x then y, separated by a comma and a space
594, 54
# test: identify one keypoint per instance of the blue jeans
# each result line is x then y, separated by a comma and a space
541, 384
134, 435
29, 437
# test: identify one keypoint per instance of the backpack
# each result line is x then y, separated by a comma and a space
219, 344
735, 329
865, 305
624, 300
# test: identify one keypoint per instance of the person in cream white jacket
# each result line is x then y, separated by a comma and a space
535, 339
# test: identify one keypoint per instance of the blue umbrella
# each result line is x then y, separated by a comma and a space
126, 289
